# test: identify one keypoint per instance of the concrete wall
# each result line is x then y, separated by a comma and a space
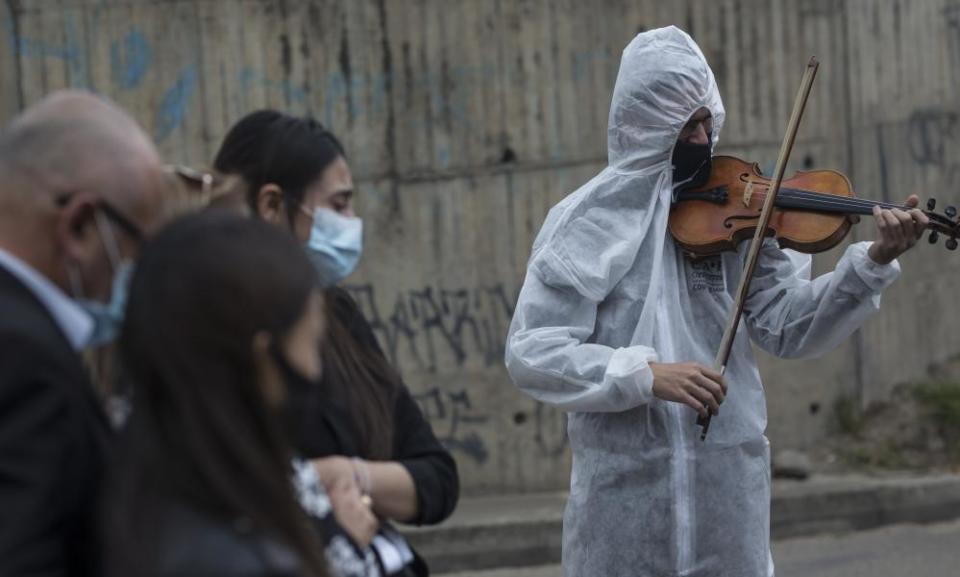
467, 119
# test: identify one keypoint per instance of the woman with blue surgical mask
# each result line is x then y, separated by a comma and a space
360, 426
298, 178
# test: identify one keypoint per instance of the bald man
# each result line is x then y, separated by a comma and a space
80, 186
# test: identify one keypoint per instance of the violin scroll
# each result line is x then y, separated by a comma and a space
946, 224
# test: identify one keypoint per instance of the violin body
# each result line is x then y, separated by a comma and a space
726, 210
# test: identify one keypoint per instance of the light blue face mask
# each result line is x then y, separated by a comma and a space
335, 245
107, 317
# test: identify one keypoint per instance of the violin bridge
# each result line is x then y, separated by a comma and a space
748, 193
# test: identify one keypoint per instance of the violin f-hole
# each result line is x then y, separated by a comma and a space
728, 222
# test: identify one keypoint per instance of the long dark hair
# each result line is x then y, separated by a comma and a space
201, 433
270, 147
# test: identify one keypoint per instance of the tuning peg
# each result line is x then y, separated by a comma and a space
951, 244
934, 236
931, 203
950, 211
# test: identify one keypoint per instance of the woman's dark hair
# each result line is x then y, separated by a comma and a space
270, 147
292, 152
372, 381
201, 433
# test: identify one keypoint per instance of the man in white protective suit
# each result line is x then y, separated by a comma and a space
616, 326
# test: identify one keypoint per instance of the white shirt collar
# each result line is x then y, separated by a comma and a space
75, 323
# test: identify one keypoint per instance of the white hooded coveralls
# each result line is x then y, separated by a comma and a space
608, 291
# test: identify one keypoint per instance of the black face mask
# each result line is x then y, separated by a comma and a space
299, 388
691, 164
297, 383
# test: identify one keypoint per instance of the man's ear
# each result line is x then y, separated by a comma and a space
77, 228
270, 205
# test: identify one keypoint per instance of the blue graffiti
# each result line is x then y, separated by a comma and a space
37, 48
79, 75
443, 157
250, 78
70, 51
130, 59
176, 103
336, 87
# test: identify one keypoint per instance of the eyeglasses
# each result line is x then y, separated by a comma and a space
112, 213
691, 127
203, 180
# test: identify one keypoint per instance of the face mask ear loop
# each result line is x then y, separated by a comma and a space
310, 213
76, 283
678, 185
109, 241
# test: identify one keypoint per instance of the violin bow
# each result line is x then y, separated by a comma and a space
726, 345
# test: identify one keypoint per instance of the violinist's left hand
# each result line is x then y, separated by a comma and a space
897, 230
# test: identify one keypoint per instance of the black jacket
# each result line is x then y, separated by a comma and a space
192, 544
53, 443
327, 429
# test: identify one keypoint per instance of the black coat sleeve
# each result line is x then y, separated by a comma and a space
416, 447
46, 478
432, 467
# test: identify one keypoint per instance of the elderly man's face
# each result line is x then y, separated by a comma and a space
104, 223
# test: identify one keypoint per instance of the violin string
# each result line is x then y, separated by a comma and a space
831, 201
821, 200
814, 200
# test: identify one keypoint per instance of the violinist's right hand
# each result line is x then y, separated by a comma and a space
691, 384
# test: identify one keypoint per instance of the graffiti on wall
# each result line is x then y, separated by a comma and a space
341, 96
440, 332
427, 329
951, 15
934, 141
455, 421
550, 431
364, 93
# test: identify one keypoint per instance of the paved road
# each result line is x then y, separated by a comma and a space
894, 551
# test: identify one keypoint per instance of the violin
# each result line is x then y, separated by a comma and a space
813, 211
